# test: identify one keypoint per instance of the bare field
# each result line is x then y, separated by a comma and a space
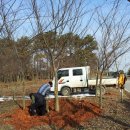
16, 88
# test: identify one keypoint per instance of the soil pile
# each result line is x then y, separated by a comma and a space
73, 114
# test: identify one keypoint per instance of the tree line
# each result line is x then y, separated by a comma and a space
35, 63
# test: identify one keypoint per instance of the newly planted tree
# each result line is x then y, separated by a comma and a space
58, 18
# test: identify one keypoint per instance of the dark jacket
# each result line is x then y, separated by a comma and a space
38, 105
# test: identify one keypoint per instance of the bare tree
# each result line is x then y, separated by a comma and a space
11, 21
58, 17
114, 40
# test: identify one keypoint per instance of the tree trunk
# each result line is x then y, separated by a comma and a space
56, 93
23, 85
121, 92
100, 85
96, 82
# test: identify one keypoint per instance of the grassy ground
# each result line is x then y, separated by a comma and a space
116, 115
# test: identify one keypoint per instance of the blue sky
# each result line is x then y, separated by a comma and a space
26, 28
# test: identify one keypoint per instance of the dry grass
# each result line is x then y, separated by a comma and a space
16, 88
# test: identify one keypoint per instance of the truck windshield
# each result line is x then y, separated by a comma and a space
62, 73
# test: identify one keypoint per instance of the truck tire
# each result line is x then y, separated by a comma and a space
98, 90
65, 91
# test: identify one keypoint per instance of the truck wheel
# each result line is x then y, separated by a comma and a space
98, 90
65, 91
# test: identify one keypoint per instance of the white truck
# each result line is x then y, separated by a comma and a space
77, 79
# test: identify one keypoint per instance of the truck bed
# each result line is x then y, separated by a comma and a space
105, 81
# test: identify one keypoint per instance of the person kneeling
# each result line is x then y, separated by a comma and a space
38, 105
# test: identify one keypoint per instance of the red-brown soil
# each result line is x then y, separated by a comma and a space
73, 112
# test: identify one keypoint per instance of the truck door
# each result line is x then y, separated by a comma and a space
77, 78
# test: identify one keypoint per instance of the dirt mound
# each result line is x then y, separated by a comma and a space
73, 113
